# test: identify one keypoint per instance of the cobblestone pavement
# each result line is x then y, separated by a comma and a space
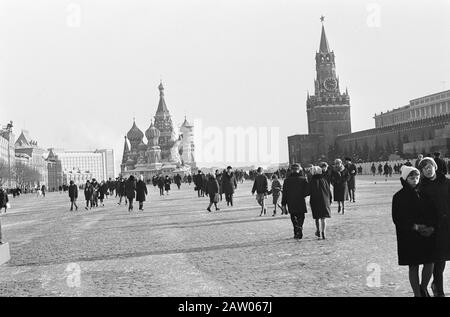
176, 248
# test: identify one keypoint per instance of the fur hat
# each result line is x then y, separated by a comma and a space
406, 170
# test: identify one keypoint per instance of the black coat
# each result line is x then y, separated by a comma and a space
198, 181
167, 183
102, 191
260, 185
295, 189
130, 188
351, 168
409, 207
88, 191
212, 187
320, 198
339, 181
3, 198
73, 191
441, 165
229, 183
439, 192
141, 191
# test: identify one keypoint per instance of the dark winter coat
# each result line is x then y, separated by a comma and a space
141, 191
439, 192
320, 198
88, 191
212, 186
351, 168
412, 206
73, 192
160, 182
3, 198
130, 188
198, 181
122, 188
339, 181
295, 189
177, 179
260, 185
102, 191
167, 183
229, 183
441, 165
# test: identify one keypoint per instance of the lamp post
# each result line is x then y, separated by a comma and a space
9, 129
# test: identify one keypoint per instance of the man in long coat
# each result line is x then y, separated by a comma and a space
130, 190
141, 192
351, 183
229, 184
295, 189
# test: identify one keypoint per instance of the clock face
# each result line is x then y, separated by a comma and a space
330, 83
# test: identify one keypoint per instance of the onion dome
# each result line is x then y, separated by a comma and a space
135, 134
186, 123
152, 132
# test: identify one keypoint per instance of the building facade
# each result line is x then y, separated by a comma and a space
7, 154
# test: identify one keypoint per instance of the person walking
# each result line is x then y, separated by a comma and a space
130, 191
177, 180
229, 184
161, 185
320, 198
102, 191
415, 219
373, 169
43, 190
351, 183
3, 199
95, 194
212, 189
436, 185
339, 179
141, 192
167, 182
88, 192
122, 191
275, 190
73, 195
198, 183
295, 189
219, 181
260, 186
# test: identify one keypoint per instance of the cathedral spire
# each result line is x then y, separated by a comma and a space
162, 108
324, 47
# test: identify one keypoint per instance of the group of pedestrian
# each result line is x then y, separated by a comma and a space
164, 182
421, 214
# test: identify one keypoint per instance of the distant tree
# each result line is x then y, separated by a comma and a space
3, 171
25, 175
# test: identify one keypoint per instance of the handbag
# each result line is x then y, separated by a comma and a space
216, 197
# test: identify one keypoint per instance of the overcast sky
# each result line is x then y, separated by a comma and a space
75, 73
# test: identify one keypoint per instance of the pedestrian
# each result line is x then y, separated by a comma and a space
189, 179
102, 191
320, 198
436, 185
141, 192
219, 181
73, 195
415, 219
130, 191
4, 201
295, 189
43, 189
88, 193
441, 165
351, 183
121, 191
275, 190
160, 183
177, 180
260, 186
373, 169
212, 189
198, 183
229, 184
167, 183
339, 179
95, 194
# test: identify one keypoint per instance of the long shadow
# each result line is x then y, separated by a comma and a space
119, 256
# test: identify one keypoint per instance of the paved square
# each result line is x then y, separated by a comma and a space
176, 248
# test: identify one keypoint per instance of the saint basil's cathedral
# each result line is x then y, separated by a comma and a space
167, 150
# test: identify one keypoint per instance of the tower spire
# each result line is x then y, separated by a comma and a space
324, 47
162, 108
